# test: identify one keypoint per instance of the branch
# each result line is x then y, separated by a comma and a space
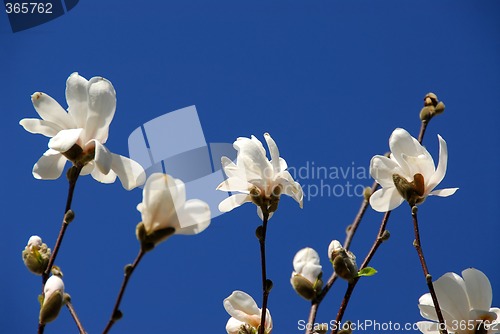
75, 317
266, 284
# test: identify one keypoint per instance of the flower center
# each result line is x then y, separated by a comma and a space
412, 192
78, 156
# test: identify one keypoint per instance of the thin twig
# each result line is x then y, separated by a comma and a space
116, 313
265, 287
423, 127
75, 317
428, 277
73, 174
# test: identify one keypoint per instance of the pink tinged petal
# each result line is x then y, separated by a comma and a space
443, 192
49, 166
51, 111
130, 173
452, 296
65, 139
478, 289
275, 153
101, 109
77, 98
242, 307
194, 218
233, 201
385, 199
235, 184
99, 176
40, 126
440, 172
103, 158
233, 326
382, 169
428, 327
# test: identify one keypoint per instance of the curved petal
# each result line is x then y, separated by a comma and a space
49, 166
478, 289
98, 175
233, 326
40, 126
295, 191
50, 110
233, 201
428, 327
452, 296
401, 142
382, 169
429, 312
235, 184
103, 158
87, 169
385, 199
77, 98
274, 152
194, 218
101, 109
251, 156
157, 207
130, 173
306, 263
242, 307
230, 168
65, 139
261, 214
443, 192
440, 172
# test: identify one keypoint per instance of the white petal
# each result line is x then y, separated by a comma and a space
306, 263
233, 326
235, 184
478, 289
290, 187
452, 296
51, 111
194, 218
428, 327
49, 166
102, 157
130, 173
440, 172
261, 214
382, 169
65, 139
275, 153
242, 307
110, 177
252, 157
101, 109
334, 246
385, 199
53, 284
88, 168
443, 192
233, 201
40, 126
77, 98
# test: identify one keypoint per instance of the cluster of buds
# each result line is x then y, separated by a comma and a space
432, 107
36, 255
268, 204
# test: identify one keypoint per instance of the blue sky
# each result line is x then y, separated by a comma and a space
329, 80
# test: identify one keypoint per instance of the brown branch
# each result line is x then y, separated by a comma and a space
75, 317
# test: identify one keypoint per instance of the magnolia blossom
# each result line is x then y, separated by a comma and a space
408, 174
256, 178
306, 277
245, 314
80, 133
164, 206
465, 304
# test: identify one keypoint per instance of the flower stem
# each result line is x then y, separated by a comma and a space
116, 314
428, 277
75, 317
265, 285
73, 174
423, 127
352, 284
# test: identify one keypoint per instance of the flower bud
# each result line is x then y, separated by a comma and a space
344, 262
306, 277
320, 329
36, 255
53, 299
367, 193
333, 249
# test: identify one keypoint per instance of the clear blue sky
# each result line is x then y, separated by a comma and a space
329, 80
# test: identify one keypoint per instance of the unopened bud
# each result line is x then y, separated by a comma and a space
430, 99
269, 285
36, 255
367, 193
345, 265
385, 236
53, 300
320, 328
346, 328
439, 108
69, 216
303, 287
256, 196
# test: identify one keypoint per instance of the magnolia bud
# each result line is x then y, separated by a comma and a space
320, 329
344, 263
306, 277
333, 249
53, 299
150, 240
367, 193
36, 255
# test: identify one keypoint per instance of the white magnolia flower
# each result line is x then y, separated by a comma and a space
53, 299
464, 303
164, 206
256, 178
306, 277
245, 313
412, 167
80, 133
